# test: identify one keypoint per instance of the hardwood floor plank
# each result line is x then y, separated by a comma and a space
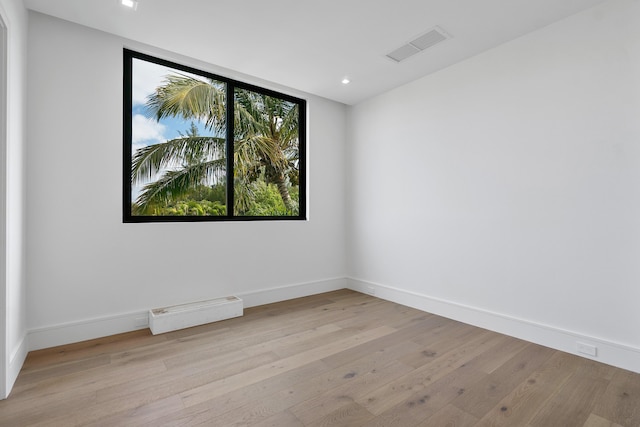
596, 421
63, 369
152, 412
86, 383
395, 392
363, 383
281, 419
294, 343
351, 415
450, 416
354, 353
620, 402
219, 387
438, 340
519, 406
428, 396
485, 394
178, 381
368, 315
87, 349
160, 350
571, 404
247, 405
36, 413
283, 386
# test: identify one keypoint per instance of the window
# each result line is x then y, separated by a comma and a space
186, 160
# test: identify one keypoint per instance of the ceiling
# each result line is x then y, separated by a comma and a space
312, 45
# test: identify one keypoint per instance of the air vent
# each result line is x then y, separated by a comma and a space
420, 43
403, 52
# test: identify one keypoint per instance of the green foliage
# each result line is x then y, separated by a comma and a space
188, 208
200, 201
266, 201
215, 193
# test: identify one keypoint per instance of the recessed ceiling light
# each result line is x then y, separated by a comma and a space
133, 4
346, 81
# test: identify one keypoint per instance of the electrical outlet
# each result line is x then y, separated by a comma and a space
588, 349
371, 290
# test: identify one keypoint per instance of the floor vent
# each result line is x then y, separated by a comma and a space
182, 316
420, 43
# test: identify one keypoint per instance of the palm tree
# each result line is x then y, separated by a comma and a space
266, 144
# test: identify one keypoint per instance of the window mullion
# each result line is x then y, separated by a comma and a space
230, 147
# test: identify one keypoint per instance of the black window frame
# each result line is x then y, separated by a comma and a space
231, 86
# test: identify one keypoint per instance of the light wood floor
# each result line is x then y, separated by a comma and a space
335, 359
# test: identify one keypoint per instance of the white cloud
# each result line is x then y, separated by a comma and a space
147, 131
147, 76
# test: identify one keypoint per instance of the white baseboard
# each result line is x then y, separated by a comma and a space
88, 329
283, 293
16, 360
609, 352
72, 332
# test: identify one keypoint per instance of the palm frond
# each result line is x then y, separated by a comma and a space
187, 97
248, 121
289, 128
256, 151
174, 184
243, 196
149, 160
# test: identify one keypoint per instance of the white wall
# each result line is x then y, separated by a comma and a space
505, 190
86, 267
13, 326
